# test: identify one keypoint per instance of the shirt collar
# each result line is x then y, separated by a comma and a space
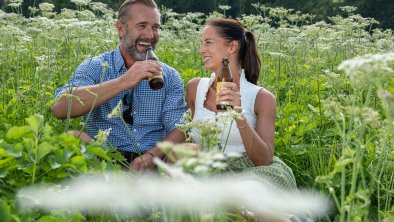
119, 61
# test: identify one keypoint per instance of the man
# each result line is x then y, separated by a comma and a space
120, 75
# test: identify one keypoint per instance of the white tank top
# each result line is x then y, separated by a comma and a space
229, 131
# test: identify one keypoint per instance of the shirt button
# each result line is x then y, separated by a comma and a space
135, 113
138, 144
135, 130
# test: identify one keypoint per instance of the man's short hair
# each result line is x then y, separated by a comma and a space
124, 8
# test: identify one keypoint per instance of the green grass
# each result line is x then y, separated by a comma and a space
318, 134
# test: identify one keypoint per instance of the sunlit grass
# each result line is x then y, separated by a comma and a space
334, 124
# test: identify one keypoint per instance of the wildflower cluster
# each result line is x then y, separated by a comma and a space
117, 111
102, 136
191, 159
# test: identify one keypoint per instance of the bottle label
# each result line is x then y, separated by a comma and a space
157, 76
218, 89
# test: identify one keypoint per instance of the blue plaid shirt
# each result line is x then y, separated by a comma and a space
155, 112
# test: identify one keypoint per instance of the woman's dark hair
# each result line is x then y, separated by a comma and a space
232, 29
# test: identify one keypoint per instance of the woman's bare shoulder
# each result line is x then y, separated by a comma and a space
265, 100
193, 83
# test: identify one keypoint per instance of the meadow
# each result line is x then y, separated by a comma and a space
333, 82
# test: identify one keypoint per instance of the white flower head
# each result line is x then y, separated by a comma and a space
46, 7
224, 7
81, 2
117, 111
368, 68
365, 62
102, 136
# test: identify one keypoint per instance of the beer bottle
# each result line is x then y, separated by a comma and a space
225, 75
157, 81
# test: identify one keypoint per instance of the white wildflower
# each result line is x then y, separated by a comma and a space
46, 7
80, 3
313, 108
117, 111
348, 9
79, 24
25, 38
104, 65
330, 73
218, 156
190, 162
41, 59
219, 165
224, 7
102, 136
33, 10
365, 62
86, 15
192, 195
67, 13
2, 14
371, 117
277, 54
368, 68
98, 6
15, 3
387, 101
233, 155
201, 169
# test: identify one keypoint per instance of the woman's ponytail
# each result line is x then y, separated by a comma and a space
250, 60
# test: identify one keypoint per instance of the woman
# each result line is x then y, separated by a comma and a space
252, 134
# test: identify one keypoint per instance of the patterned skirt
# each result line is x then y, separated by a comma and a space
277, 173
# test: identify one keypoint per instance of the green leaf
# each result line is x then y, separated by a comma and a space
43, 149
98, 151
5, 214
52, 218
36, 122
78, 160
17, 132
4, 153
103, 165
14, 150
47, 131
69, 142
7, 166
79, 163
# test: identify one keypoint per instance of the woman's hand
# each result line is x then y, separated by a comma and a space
229, 94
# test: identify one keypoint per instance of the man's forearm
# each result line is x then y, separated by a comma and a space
84, 98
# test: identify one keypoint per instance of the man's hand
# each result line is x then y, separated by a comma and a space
143, 162
139, 71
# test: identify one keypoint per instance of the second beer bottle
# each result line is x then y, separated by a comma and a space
157, 81
225, 75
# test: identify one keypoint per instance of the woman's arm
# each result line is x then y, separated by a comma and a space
259, 142
191, 90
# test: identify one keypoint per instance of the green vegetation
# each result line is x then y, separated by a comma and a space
334, 126
381, 10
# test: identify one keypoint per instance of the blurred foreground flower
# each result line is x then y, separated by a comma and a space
368, 68
129, 196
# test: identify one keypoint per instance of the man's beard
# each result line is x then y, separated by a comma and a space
131, 49
130, 46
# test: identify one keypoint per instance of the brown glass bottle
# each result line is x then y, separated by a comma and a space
157, 81
225, 75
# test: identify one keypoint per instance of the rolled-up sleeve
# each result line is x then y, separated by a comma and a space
90, 72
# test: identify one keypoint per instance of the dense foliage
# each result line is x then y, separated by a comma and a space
334, 126
381, 10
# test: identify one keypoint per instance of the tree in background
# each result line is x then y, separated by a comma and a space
381, 10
